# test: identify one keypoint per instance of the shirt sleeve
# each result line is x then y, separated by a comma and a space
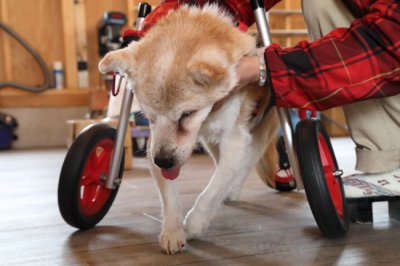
358, 7
347, 65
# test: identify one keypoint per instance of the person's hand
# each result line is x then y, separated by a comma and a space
247, 71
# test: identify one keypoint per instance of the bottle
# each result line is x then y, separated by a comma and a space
58, 75
83, 75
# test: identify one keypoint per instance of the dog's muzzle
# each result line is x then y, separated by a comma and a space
164, 162
167, 166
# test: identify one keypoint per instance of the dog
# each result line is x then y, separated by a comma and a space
183, 75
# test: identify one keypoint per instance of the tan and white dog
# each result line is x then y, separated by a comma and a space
181, 68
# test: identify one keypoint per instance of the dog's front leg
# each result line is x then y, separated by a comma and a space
172, 238
237, 156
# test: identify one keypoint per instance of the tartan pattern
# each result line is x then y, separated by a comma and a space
345, 66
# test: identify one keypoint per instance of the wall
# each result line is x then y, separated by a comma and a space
287, 23
66, 30
47, 25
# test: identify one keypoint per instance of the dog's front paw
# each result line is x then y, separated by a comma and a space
234, 193
233, 196
172, 241
195, 224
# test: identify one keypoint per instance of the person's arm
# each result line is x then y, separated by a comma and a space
347, 65
248, 70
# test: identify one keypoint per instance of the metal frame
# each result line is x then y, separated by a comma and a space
284, 117
112, 178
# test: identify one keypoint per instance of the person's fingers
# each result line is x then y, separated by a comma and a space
247, 70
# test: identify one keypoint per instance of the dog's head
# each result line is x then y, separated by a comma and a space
182, 66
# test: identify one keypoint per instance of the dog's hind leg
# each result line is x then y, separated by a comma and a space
234, 194
236, 158
237, 183
172, 238
267, 165
259, 154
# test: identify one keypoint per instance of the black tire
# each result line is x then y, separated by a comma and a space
324, 190
75, 187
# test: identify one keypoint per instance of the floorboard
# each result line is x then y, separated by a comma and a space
263, 228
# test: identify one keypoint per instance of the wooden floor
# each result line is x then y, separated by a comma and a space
264, 228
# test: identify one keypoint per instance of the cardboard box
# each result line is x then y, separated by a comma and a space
76, 126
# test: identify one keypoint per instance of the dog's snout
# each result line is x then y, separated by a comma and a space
164, 162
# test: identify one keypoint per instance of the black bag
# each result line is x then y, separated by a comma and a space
8, 125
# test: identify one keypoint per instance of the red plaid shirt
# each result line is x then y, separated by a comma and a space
347, 65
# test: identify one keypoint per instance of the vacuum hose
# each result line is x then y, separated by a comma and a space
47, 77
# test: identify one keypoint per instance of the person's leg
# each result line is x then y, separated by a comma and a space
374, 124
375, 128
323, 16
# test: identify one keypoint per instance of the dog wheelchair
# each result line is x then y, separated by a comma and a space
92, 170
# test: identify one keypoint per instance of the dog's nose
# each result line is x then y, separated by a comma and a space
164, 162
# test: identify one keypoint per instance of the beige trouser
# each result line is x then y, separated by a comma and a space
374, 124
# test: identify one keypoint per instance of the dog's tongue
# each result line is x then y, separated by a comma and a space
170, 174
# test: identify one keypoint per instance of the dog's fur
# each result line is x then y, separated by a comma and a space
179, 70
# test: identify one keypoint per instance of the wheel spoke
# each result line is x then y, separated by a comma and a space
89, 193
87, 180
84, 198
88, 166
94, 159
104, 160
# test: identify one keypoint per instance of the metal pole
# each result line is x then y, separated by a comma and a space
112, 177
284, 117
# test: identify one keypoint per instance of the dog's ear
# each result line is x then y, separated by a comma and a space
207, 67
121, 60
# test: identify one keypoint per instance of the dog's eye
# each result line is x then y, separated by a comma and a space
186, 114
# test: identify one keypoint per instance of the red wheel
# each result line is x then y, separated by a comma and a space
94, 194
83, 199
321, 177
